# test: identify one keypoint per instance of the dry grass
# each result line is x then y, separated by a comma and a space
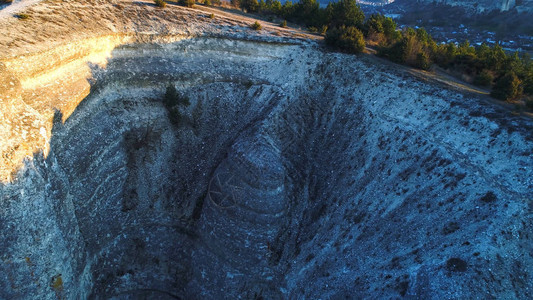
55, 22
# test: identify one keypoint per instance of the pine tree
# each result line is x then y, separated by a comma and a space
507, 87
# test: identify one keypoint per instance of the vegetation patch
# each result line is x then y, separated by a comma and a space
349, 39
509, 76
22, 16
57, 286
256, 26
160, 3
507, 87
187, 3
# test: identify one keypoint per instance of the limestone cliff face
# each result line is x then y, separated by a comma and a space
38, 84
291, 166
45, 61
294, 173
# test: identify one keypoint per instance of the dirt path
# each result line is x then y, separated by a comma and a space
248, 19
16, 7
437, 75
440, 75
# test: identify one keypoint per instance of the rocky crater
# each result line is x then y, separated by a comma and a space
294, 172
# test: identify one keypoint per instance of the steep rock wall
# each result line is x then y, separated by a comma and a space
37, 85
45, 61
293, 172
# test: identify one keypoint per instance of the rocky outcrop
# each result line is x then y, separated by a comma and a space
294, 172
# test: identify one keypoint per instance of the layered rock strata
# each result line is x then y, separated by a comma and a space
293, 173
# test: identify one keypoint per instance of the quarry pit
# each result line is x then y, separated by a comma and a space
295, 172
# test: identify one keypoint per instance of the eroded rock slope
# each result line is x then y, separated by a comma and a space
294, 173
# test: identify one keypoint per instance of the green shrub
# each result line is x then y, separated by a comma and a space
484, 78
57, 286
349, 39
256, 26
422, 61
323, 30
397, 52
207, 3
211, 16
22, 16
529, 103
345, 13
188, 3
160, 3
507, 87
250, 6
283, 24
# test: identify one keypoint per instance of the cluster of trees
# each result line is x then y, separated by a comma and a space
509, 75
342, 21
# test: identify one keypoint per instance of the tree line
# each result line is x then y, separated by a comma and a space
508, 75
341, 22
